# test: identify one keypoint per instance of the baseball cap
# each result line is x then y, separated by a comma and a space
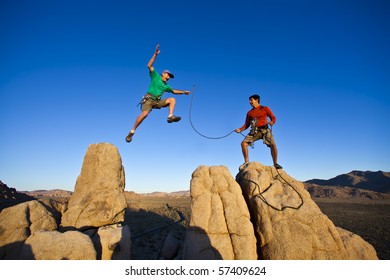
169, 73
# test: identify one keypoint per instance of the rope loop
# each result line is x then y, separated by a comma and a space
193, 127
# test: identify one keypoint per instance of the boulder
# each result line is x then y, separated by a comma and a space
56, 208
288, 223
18, 222
170, 247
357, 248
98, 198
112, 242
220, 226
53, 245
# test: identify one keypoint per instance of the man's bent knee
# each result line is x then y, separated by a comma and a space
170, 100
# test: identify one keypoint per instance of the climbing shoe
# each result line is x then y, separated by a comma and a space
277, 166
129, 137
173, 119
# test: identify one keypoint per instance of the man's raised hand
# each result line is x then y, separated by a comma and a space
157, 51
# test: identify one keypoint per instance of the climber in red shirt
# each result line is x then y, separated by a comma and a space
258, 118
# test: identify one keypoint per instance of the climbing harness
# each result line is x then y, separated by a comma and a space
254, 128
278, 176
193, 127
146, 97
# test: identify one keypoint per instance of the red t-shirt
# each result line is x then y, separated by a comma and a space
260, 113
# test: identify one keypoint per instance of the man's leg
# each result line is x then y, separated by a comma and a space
270, 142
140, 119
171, 102
244, 148
137, 122
274, 154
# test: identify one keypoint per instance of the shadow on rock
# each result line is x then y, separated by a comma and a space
156, 229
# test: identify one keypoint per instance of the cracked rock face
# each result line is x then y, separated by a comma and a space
220, 226
18, 222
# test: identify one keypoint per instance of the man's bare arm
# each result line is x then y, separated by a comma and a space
151, 61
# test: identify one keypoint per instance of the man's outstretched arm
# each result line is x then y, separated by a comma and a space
179, 91
151, 61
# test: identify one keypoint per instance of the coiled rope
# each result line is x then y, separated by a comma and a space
262, 198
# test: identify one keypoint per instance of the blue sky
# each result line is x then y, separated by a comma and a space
72, 73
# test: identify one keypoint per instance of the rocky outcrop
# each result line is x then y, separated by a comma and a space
284, 224
10, 197
98, 198
288, 223
261, 214
112, 242
220, 226
170, 247
90, 224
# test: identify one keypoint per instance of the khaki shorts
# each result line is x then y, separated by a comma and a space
150, 104
263, 133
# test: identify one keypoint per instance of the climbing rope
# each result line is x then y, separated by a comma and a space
262, 198
192, 125
260, 195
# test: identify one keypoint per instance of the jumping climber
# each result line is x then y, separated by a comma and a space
258, 119
152, 99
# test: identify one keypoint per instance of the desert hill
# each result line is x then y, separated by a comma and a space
48, 193
165, 194
377, 181
10, 197
335, 192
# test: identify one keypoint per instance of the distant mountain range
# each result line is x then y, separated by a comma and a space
377, 181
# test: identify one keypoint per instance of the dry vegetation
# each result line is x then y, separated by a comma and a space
151, 218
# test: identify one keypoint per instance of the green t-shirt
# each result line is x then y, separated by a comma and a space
157, 86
